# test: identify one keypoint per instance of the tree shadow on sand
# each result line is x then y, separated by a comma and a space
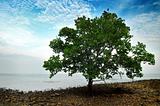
98, 90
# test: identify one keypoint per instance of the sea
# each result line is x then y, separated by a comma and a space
41, 82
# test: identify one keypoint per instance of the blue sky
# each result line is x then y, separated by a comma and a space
27, 26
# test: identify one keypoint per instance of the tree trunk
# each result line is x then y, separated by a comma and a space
90, 82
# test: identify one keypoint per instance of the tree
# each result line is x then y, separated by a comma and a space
97, 48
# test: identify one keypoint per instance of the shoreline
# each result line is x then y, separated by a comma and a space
60, 88
141, 92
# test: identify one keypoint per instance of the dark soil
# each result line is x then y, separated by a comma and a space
138, 93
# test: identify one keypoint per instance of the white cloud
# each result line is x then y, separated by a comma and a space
123, 5
23, 42
20, 20
157, 3
145, 28
5, 8
145, 24
11, 16
16, 38
62, 13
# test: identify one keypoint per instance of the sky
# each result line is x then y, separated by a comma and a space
27, 27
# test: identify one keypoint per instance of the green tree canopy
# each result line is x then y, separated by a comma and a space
97, 48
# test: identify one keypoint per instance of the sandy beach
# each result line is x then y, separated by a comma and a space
138, 93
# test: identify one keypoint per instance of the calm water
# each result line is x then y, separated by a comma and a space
42, 82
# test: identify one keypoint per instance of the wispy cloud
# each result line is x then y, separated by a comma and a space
62, 13
145, 28
22, 6
145, 24
156, 3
